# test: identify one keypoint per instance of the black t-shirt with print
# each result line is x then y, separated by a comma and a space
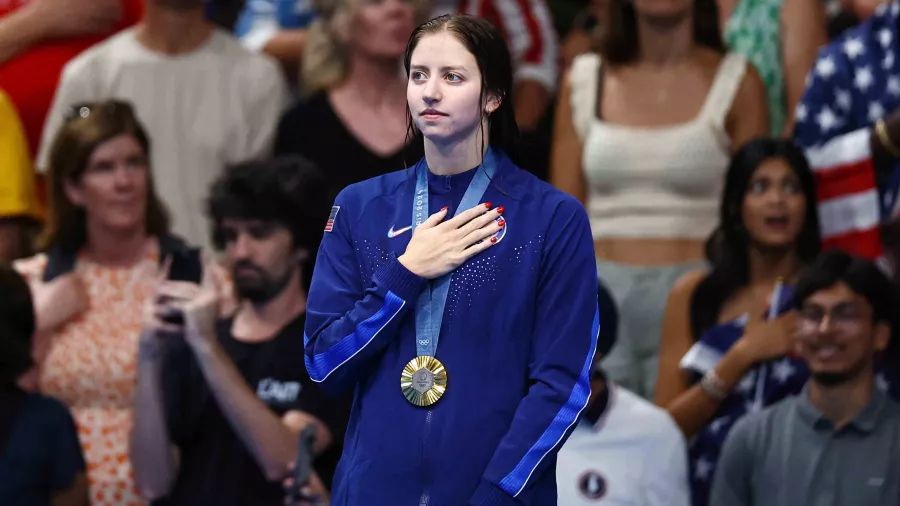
216, 468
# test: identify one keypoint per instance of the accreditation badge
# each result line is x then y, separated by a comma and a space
423, 381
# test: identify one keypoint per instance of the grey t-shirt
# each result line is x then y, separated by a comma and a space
790, 455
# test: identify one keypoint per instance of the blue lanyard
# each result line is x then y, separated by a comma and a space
430, 306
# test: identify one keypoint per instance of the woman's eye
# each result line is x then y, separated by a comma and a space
792, 187
758, 187
454, 78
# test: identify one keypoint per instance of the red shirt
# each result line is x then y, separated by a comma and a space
30, 78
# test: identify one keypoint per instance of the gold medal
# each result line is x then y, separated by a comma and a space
423, 381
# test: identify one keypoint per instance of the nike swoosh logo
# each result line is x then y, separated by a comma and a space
394, 233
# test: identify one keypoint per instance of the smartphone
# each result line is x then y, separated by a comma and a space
303, 465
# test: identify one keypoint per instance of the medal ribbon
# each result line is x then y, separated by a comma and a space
431, 302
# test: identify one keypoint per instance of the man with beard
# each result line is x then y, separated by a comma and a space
205, 100
222, 401
838, 441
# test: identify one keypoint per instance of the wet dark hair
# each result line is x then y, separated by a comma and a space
619, 41
728, 245
290, 191
488, 46
17, 325
861, 275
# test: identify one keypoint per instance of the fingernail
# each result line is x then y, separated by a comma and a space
443, 208
501, 223
487, 205
500, 209
493, 239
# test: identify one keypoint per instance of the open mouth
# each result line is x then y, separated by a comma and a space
777, 222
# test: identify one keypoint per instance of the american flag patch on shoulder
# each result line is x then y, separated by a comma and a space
329, 226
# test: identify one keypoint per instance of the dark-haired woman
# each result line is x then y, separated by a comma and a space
41, 463
458, 298
725, 350
106, 235
644, 131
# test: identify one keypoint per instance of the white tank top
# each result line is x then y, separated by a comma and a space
654, 182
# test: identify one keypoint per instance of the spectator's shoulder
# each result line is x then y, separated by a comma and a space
305, 112
49, 412
755, 429
92, 59
655, 421
525, 186
246, 59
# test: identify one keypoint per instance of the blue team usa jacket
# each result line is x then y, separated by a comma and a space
518, 338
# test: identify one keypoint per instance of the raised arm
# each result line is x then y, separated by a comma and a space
41, 20
690, 405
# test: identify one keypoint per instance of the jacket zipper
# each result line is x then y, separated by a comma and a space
425, 498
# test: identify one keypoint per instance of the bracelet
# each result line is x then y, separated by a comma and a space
885, 140
713, 385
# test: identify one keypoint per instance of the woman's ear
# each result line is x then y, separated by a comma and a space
74, 194
492, 103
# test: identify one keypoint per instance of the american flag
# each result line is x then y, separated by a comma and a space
329, 226
855, 81
763, 385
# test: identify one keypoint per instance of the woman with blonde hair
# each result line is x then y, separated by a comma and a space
354, 100
106, 238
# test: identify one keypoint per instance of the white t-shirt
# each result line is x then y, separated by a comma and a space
634, 456
215, 106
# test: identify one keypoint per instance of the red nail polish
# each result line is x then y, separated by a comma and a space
443, 208
493, 239
501, 223
500, 209
487, 205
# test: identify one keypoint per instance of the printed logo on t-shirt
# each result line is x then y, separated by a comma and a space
272, 391
592, 485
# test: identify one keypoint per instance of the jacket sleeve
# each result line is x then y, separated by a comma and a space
349, 322
562, 349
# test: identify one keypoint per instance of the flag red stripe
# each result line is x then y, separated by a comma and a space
845, 180
865, 243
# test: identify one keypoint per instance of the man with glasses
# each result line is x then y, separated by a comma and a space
838, 441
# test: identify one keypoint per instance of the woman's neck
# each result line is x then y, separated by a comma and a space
665, 41
768, 265
378, 84
458, 156
115, 248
